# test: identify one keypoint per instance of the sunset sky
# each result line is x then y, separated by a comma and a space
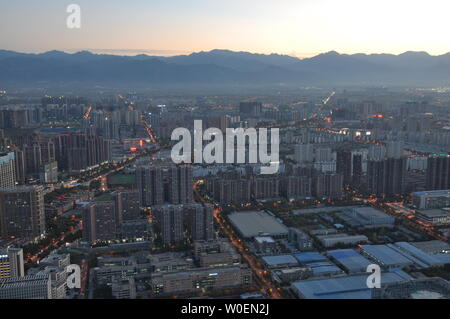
167, 27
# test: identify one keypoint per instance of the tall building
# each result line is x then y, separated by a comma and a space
323, 154
158, 184
99, 222
127, 205
48, 173
344, 161
230, 191
7, 170
179, 183
264, 188
20, 166
386, 177
394, 149
22, 212
149, 182
200, 221
377, 152
328, 185
438, 173
250, 109
170, 219
296, 187
304, 153
76, 152
11, 263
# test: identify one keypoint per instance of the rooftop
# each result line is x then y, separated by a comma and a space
256, 223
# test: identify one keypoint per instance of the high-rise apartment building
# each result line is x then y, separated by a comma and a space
127, 205
7, 170
438, 173
150, 185
100, 222
22, 212
170, 220
199, 219
386, 177
164, 183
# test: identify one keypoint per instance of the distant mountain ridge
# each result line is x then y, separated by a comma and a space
226, 67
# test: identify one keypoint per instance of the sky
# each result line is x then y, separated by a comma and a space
167, 27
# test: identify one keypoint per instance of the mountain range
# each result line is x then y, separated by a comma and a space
225, 67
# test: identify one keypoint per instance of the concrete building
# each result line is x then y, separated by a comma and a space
201, 280
257, 223
300, 239
124, 288
431, 199
28, 287
200, 222
11, 263
7, 170
100, 222
345, 287
329, 241
350, 260
367, 217
170, 220
22, 212
127, 205
437, 216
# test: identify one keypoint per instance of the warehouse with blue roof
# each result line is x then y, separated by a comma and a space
280, 261
348, 287
350, 260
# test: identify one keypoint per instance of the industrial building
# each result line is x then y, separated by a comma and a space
347, 287
256, 223
281, 261
401, 254
367, 217
319, 264
426, 288
329, 241
350, 260
431, 199
436, 216
386, 256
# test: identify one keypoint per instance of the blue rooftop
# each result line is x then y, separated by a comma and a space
279, 260
350, 260
308, 257
349, 287
386, 255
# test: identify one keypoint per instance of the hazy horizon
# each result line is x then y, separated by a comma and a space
168, 53
296, 28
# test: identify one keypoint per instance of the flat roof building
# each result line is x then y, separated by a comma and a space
367, 217
436, 216
280, 261
352, 261
348, 287
329, 241
431, 199
386, 256
255, 223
